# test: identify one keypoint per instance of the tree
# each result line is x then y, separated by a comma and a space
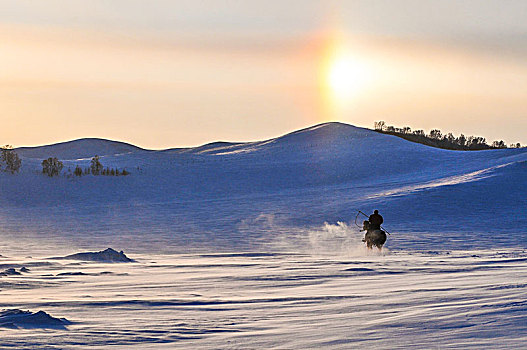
379, 125
435, 134
450, 138
461, 140
52, 166
476, 142
11, 159
96, 166
499, 144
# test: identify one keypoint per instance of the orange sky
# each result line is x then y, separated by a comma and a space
61, 80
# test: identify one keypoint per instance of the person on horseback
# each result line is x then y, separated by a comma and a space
375, 236
375, 220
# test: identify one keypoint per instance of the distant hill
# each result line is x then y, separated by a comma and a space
77, 149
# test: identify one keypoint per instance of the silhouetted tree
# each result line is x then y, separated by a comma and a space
435, 134
379, 125
52, 166
95, 166
499, 144
461, 140
11, 159
450, 138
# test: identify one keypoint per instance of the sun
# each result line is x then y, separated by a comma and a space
346, 76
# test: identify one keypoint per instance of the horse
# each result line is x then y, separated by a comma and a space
373, 237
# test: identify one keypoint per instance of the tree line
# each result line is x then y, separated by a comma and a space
11, 162
437, 139
53, 167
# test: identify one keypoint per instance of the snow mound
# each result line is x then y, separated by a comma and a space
9, 272
78, 149
108, 255
15, 318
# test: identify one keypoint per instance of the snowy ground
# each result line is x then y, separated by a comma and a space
462, 299
254, 246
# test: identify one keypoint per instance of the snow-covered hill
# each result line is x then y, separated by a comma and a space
78, 149
302, 179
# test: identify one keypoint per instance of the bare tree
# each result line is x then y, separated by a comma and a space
435, 134
11, 159
52, 166
379, 125
499, 144
96, 166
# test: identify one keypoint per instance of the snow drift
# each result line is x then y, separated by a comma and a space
16, 318
107, 255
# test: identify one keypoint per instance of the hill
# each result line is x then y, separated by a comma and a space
78, 149
301, 179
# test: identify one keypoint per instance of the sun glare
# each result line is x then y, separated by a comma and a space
346, 75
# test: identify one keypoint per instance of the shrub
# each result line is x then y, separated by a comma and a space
52, 166
77, 171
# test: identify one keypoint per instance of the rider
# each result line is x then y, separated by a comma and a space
375, 220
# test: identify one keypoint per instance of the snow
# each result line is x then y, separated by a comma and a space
450, 299
253, 245
15, 318
107, 255
10, 271
78, 149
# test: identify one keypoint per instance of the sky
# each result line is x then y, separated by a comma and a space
177, 73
